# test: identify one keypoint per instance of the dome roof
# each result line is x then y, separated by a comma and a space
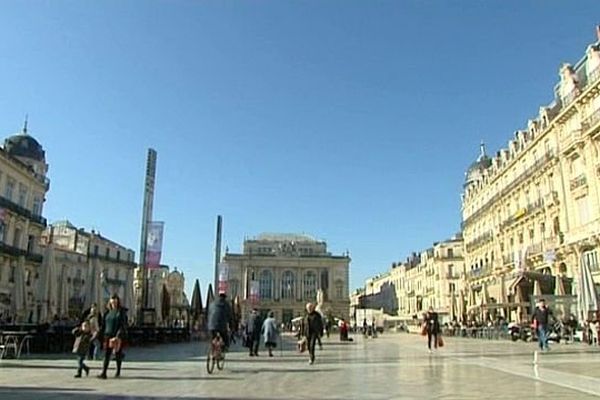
475, 171
23, 145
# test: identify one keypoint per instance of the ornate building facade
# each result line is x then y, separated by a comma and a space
431, 278
77, 253
23, 188
282, 272
177, 302
531, 213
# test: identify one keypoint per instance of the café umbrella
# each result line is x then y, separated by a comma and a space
19, 293
48, 285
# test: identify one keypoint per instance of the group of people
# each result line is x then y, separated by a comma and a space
98, 332
220, 325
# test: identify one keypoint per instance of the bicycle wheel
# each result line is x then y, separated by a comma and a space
221, 361
210, 362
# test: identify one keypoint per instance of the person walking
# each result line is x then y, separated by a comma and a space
83, 339
432, 328
270, 332
115, 330
253, 327
94, 318
313, 329
540, 320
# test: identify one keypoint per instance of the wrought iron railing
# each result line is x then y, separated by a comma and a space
578, 182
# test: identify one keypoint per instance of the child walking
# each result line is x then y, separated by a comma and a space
81, 347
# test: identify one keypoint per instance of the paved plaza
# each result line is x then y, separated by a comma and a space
392, 366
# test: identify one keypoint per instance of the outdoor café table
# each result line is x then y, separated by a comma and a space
14, 340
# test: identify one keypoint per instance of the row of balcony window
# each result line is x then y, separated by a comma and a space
16, 208
528, 173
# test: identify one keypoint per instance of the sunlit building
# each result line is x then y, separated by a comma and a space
23, 188
531, 212
282, 272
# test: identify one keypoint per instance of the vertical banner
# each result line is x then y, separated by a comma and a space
154, 244
223, 278
254, 286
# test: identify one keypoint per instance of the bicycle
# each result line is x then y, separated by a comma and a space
216, 354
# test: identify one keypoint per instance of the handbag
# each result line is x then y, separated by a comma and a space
424, 329
440, 341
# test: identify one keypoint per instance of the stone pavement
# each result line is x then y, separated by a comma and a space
392, 366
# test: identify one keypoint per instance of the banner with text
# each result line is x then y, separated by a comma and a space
154, 244
223, 277
254, 287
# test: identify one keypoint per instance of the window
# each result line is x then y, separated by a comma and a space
13, 271
30, 243
2, 231
287, 285
96, 250
310, 286
452, 288
118, 255
450, 253
10, 188
22, 195
17, 238
582, 210
265, 281
107, 253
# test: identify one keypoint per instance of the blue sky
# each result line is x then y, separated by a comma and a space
352, 121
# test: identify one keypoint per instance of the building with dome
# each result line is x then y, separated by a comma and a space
531, 213
23, 188
282, 272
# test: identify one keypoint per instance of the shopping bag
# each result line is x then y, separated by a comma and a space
440, 341
424, 329
302, 344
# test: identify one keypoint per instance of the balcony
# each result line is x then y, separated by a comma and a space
583, 232
508, 259
452, 276
14, 207
480, 241
591, 120
570, 140
578, 182
481, 272
16, 252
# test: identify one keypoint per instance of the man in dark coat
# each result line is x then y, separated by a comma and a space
220, 318
313, 329
541, 320
253, 327
432, 327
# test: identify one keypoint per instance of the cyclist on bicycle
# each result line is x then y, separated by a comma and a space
219, 319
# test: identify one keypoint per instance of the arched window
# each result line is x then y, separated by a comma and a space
310, 286
287, 285
265, 281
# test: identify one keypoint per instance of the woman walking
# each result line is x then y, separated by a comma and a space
432, 328
269, 331
115, 330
